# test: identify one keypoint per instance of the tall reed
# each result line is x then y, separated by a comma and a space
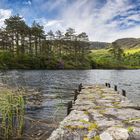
12, 108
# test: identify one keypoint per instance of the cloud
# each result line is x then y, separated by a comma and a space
27, 2
49, 5
98, 22
51, 24
102, 20
4, 13
108, 21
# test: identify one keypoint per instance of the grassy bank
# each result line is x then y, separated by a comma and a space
104, 59
101, 59
26, 61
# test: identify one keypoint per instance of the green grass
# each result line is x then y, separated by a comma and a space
132, 51
106, 51
12, 112
100, 52
102, 58
130, 129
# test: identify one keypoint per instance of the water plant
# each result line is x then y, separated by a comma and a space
12, 113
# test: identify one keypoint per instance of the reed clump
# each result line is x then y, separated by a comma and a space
12, 109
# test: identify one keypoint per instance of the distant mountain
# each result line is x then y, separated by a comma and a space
125, 43
99, 45
129, 42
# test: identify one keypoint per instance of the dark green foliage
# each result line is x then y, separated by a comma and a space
24, 47
105, 59
117, 52
132, 60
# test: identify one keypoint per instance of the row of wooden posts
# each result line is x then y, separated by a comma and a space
116, 88
77, 92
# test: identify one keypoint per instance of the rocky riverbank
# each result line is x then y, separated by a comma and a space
100, 113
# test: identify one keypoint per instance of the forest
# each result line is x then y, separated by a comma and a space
24, 47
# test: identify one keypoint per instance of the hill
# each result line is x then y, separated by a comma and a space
98, 45
128, 43
101, 57
125, 43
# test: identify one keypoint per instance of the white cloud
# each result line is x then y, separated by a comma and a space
52, 5
85, 16
97, 22
4, 13
51, 24
27, 2
49, 5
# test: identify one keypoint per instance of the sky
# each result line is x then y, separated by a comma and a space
102, 20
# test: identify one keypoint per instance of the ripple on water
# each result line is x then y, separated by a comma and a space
58, 86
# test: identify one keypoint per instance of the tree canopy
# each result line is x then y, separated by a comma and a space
32, 47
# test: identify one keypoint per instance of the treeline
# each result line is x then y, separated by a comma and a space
25, 47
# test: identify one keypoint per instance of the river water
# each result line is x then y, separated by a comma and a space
57, 86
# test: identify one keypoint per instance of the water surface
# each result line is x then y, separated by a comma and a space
57, 86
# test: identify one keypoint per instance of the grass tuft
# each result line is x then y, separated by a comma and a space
12, 113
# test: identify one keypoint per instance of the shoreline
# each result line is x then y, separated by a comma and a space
64, 69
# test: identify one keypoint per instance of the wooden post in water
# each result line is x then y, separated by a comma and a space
80, 87
76, 94
109, 85
115, 87
69, 107
124, 93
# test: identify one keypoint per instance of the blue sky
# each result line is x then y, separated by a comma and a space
103, 20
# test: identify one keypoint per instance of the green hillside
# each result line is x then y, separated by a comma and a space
102, 58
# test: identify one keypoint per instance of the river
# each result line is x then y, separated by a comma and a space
57, 86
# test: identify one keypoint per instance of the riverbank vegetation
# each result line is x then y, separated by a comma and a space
112, 58
28, 47
24, 47
12, 109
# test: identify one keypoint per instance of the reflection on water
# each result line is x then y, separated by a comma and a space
58, 86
